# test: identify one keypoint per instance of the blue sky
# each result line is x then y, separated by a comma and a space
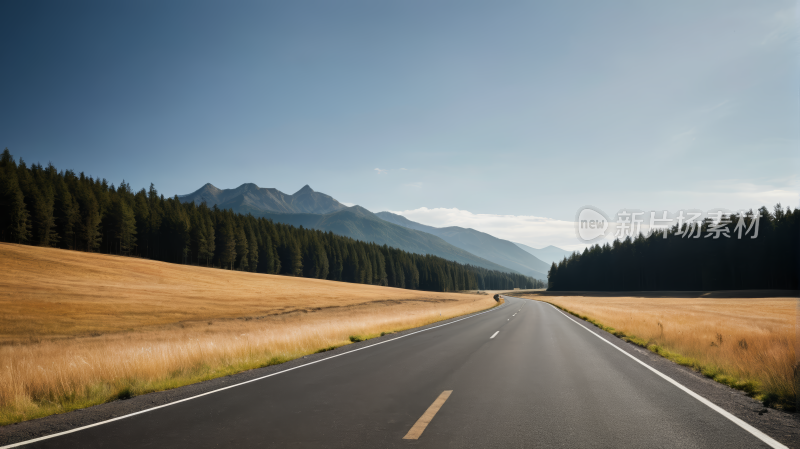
524, 109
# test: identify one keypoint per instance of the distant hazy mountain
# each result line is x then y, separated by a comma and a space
361, 224
481, 244
316, 210
548, 254
249, 198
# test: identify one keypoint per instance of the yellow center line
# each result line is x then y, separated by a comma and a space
426, 417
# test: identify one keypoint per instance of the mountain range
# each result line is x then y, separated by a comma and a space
250, 198
316, 210
360, 224
481, 244
548, 254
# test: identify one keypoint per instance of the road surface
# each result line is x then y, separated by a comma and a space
522, 375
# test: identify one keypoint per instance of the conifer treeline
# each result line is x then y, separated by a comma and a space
653, 262
42, 206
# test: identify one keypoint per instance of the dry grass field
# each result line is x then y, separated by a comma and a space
747, 343
79, 329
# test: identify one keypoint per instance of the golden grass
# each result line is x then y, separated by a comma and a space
746, 343
80, 329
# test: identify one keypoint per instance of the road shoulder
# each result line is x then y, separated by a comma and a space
783, 427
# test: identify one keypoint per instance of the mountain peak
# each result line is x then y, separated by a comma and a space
306, 189
248, 186
250, 198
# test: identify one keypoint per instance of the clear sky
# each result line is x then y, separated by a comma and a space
467, 109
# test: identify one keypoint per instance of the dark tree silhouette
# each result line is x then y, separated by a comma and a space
769, 261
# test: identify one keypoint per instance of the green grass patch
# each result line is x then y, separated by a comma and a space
329, 348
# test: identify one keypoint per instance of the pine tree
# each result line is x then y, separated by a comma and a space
276, 260
242, 248
266, 258
89, 224
252, 251
66, 214
295, 258
315, 260
125, 226
206, 228
39, 199
228, 244
14, 216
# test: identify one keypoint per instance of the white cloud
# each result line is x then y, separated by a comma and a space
771, 197
737, 195
348, 204
537, 232
381, 171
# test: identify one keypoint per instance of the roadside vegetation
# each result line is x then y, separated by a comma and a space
745, 343
79, 329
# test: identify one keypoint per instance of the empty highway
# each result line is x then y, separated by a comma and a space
521, 375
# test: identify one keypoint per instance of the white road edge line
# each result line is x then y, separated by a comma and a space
47, 437
755, 432
494, 335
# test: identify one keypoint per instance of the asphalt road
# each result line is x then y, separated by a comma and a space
521, 375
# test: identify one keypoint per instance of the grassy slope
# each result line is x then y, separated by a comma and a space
80, 329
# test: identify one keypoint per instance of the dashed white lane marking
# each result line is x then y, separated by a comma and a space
426, 417
494, 335
755, 432
77, 429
